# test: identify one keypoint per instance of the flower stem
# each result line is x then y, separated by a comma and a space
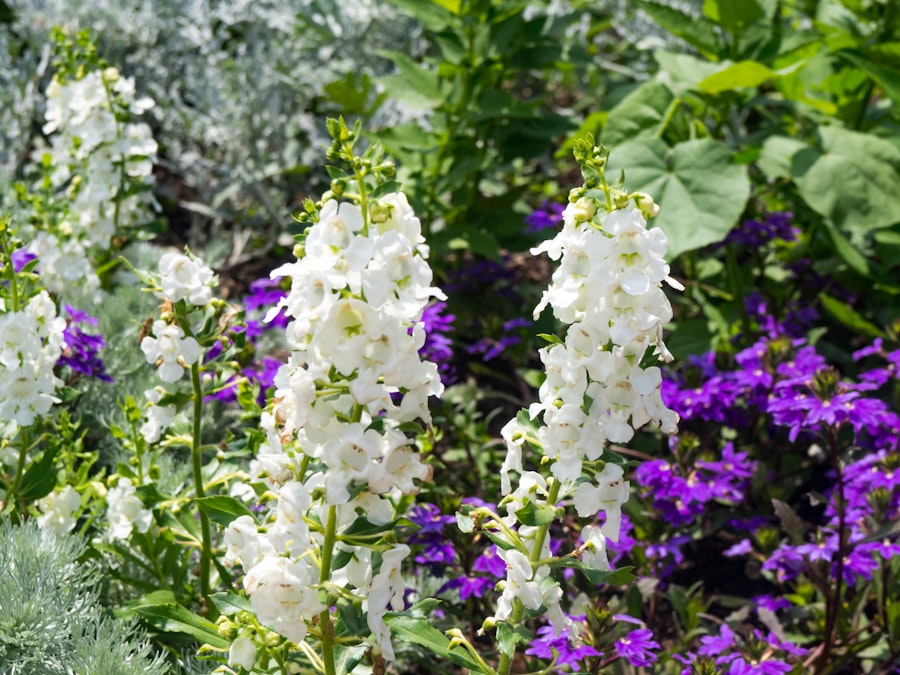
206, 547
325, 624
536, 551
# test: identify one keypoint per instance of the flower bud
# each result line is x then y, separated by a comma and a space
645, 203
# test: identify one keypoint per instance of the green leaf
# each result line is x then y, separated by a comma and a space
434, 15
701, 192
698, 32
849, 317
616, 577
172, 618
885, 75
414, 84
386, 188
738, 76
40, 478
419, 631
776, 155
464, 523
852, 179
535, 515
641, 113
222, 509
733, 15
683, 72
510, 636
230, 603
848, 251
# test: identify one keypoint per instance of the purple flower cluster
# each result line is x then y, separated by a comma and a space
568, 651
549, 215
758, 654
682, 494
510, 334
438, 346
82, 352
754, 234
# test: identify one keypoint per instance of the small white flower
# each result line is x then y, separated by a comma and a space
242, 653
58, 510
183, 278
126, 511
171, 349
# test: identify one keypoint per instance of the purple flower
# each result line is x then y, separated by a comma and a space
491, 348
547, 641
20, 258
713, 645
549, 215
82, 352
438, 346
635, 647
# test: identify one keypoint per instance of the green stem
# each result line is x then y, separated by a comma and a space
518, 608
20, 470
10, 271
325, 624
206, 548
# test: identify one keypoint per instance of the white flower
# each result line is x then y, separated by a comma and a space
159, 417
183, 278
386, 592
594, 553
608, 495
125, 511
242, 653
244, 544
284, 594
171, 349
518, 584
58, 510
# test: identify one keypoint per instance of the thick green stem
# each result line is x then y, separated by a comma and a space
537, 549
325, 624
206, 550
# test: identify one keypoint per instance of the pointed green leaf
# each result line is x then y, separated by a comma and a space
849, 317
738, 76
699, 32
172, 618
420, 631
222, 509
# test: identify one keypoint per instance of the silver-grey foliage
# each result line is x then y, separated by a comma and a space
50, 618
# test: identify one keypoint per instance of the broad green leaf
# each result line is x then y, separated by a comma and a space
420, 631
40, 478
733, 15
738, 76
683, 72
222, 509
776, 155
230, 603
852, 179
641, 113
464, 523
413, 84
617, 577
701, 192
172, 618
697, 31
849, 317
533, 515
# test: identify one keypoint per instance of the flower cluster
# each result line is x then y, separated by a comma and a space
608, 290
104, 161
31, 342
354, 380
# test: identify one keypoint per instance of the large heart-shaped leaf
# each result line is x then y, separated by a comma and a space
851, 179
700, 190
